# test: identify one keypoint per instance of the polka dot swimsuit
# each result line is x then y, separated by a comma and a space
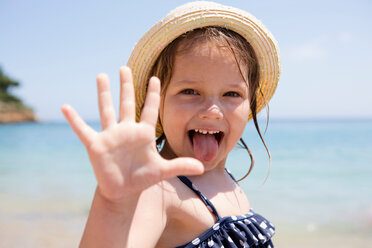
249, 230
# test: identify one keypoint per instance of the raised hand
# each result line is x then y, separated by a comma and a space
124, 156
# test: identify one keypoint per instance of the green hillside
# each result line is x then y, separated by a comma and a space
12, 108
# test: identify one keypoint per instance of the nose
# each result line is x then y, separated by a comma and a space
211, 111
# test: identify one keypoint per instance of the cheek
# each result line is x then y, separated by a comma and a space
172, 119
177, 110
238, 120
245, 108
240, 111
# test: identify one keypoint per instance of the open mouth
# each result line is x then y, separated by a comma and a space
218, 135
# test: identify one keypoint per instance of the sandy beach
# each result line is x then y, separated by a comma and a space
65, 230
40, 231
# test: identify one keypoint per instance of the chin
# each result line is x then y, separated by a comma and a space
210, 165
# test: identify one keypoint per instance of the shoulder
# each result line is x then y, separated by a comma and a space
161, 198
186, 214
178, 198
167, 194
152, 214
165, 203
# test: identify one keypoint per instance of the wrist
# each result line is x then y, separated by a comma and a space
120, 205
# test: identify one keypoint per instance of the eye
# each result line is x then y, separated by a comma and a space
188, 92
232, 94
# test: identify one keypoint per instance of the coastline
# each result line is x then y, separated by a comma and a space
16, 113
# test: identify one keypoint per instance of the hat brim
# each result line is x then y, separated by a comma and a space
203, 14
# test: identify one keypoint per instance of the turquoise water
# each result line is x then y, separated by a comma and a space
321, 172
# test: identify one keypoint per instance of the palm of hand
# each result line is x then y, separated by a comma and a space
123, 156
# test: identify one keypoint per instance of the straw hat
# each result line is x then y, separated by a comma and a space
202, 14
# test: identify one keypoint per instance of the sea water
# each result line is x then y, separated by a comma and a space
321, 172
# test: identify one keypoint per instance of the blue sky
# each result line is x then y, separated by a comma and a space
56, 49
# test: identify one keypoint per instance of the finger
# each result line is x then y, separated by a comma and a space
106, 107
127, 103
82, 130
181, 166
151, 108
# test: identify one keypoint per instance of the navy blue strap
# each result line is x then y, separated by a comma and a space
231, 175
207, 202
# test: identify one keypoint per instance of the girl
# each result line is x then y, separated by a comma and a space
218, 66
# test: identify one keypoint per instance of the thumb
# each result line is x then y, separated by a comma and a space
182, 166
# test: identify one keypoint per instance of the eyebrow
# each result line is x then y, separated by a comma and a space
193, 82
185, 81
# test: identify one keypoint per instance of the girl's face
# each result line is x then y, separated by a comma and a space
205, 107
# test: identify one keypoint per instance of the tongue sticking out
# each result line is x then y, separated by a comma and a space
205, 146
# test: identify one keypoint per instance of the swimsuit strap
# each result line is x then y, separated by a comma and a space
231, 175
206, 201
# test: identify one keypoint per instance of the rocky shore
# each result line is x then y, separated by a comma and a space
15, 112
